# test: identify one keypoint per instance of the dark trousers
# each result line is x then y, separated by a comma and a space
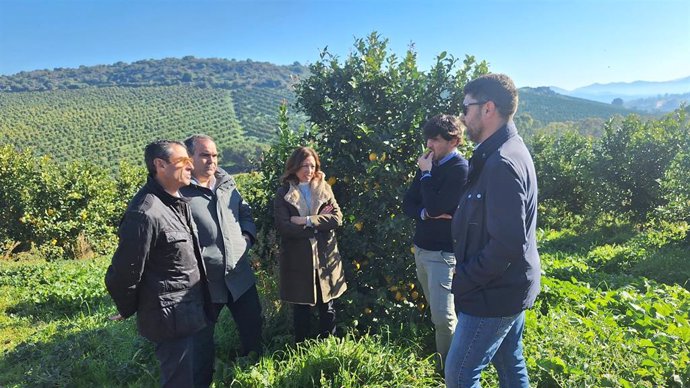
176, 363
246, 312
302, 318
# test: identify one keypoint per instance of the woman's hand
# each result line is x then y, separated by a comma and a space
298, 220
328, 209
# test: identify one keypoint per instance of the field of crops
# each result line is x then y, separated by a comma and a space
112, 124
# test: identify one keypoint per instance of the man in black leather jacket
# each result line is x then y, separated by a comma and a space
157, 270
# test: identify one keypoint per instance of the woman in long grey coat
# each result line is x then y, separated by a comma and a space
306, 215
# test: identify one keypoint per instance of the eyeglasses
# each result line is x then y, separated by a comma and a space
466, 106
184, 160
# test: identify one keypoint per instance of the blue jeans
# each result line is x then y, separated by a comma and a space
435, 274
480, 340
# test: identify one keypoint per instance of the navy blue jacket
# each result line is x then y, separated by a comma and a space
494, 230
437, 194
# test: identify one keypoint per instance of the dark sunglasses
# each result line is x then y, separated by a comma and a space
466, 106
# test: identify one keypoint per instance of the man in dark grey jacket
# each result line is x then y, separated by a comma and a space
494, 231
157, 270
226, 232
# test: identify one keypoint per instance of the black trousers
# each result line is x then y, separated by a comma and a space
302, 318
176, 361
246, 312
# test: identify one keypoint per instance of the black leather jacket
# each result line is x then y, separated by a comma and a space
157, 270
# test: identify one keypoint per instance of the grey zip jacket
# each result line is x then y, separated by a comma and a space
222, 216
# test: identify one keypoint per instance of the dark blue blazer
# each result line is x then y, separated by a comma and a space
494, 230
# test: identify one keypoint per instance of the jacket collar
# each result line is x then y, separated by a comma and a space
154, 187
223, 179
487, 148
320, 193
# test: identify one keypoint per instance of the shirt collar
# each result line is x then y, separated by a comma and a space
211, 183
448, 157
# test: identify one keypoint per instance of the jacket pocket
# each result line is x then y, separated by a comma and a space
182, 313
474, 207
174, 236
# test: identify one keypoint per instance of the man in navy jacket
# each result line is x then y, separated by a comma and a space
494, 233
430, 201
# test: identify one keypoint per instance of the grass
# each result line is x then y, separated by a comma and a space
598, 322
368, 361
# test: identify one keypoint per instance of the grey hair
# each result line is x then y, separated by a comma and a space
191, 142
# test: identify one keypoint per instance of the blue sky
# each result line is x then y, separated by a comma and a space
565, 43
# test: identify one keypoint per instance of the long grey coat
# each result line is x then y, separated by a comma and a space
308, 252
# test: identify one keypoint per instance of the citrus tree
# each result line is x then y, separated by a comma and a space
563, 162
630, 160
65, 210
366, 112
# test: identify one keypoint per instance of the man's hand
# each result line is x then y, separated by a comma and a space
424, 161
444, 216
116, 317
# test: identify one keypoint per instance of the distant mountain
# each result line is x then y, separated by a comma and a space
628, 90
660, 104
199, 72
546, 106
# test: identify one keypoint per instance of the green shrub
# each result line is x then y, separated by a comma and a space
64, 210
631, 335
631, 158
674, 188
563, 164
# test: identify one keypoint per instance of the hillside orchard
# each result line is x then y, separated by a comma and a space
614, 310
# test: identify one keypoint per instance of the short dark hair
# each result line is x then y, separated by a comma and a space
159, 149
191, 141
499, 89
294, 163
448, 127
